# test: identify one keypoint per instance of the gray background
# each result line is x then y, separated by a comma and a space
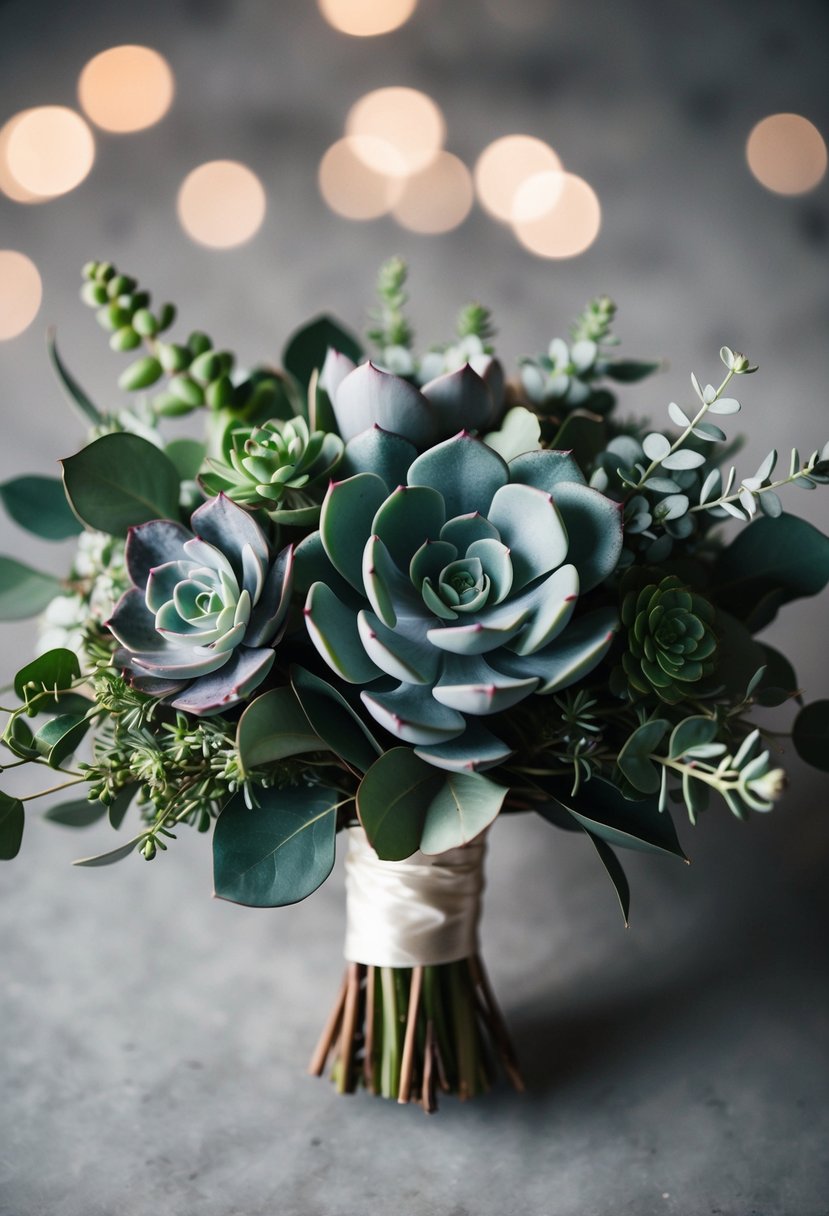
153, 1039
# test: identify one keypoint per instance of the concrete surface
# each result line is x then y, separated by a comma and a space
154, 1041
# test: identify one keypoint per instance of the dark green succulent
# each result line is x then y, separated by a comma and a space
282, 466
671, 641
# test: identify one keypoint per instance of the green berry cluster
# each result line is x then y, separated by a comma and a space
197, 375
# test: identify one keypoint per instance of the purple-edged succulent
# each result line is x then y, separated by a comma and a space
206, 609
365, 396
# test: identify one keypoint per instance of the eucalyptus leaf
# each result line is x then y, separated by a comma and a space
810, 734
110, 858
306, 349
24, 592
60, 736
53, 671
272, 727
464, 806
769, 564
340, 727
634, 758
393, 799
39, 505
615, 872
12, 821
119, 481
187, 456
78, 398
683, 458
690, 733
602, 809
276, 853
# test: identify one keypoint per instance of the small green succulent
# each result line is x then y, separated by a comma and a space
282, 466
451, 595
671, 641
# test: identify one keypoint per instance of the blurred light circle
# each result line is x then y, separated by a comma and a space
786, 153
405, 118
49, 151
11, 188
438, 198
126, 88
366, 18
565, 228
350, 187
221, 204
537, 196
20, 293
505, 165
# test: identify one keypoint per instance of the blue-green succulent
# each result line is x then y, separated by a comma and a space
452, 595
206, 609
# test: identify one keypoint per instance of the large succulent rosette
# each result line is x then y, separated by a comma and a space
206, 609
451, 596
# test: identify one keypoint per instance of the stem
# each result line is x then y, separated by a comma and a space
773, 485
706, 405
390, 1059
53, 789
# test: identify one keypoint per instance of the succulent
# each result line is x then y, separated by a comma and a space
452, 595
365, 395
281, 466
199, 625
670, 639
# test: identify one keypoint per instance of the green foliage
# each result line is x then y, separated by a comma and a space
337, 724
75, 394
273, 727
602, 810
24, 592
119, 481
392, 802
769, 564
39, 505
278, 853
51, 673
811, 734
12, 821
405, 804
306, 349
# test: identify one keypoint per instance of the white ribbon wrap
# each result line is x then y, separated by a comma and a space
418, 912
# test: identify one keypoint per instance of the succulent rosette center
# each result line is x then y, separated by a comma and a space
282, 466
452, 596
206, 608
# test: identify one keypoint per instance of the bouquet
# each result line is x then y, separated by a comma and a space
391, 599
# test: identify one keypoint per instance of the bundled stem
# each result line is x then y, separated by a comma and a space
408, 1032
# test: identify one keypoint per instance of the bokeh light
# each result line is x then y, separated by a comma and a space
350, 187
126, 88
505, 165
11, 188
787, 154
49, 150
367, 18
437, 199
221, 204
563, 216
20, 293
404, 118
